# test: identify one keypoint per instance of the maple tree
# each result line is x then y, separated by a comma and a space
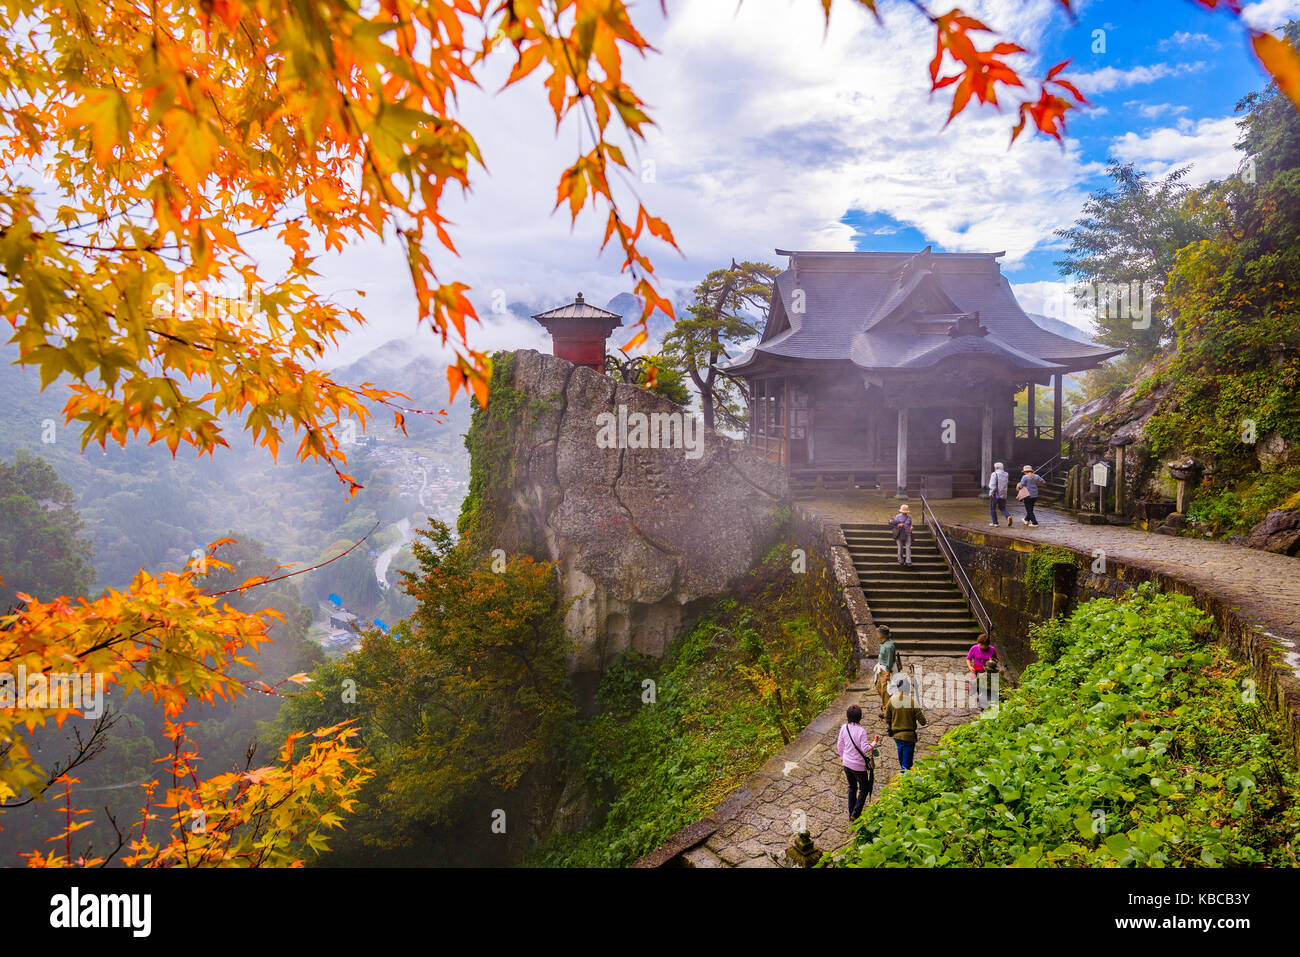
456, 705
172, 133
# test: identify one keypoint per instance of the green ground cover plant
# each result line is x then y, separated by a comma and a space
1133, 740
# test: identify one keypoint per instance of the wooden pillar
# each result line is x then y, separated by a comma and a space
1009, 428
1030, 412
753, 409
767, 416
986, 448
902, 455
785, 420
1057, 390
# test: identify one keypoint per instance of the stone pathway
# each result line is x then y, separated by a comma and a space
1264, 586
805, 784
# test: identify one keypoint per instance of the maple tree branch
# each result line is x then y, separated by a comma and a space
85, 750
302, 571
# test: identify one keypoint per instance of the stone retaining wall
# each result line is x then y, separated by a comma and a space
831, 588
997, 565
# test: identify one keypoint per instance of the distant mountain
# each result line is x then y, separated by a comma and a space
1061, 328
393, 366
144, 507
629, 307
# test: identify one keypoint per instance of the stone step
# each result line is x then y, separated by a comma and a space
702, 857
868, 527
891, 567
943, 614
931, 650
889, 593
957, 617
875, 550
890, 609
903, 577
866, 545
880, 561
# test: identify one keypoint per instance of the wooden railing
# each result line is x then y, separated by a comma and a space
773, 446
1035, 431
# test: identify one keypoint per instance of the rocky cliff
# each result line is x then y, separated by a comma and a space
1256, 477
646, 514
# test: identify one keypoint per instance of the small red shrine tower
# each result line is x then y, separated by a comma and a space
579, 331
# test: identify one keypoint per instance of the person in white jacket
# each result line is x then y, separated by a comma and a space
998, 483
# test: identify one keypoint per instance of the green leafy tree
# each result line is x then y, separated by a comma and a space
658, 373
42, 552
1236, 297
1128, 237
460, 702
720, 316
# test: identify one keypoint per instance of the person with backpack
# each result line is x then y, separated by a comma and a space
857, 755
1028, 487
998, 481
902, 526
902, 719
888, 663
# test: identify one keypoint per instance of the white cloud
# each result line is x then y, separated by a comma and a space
1271, 14
1113, 78
1056, 300
769, 130
1183, 38
1206, 144
1152, 111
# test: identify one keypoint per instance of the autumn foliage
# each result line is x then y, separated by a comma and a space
165, 639
172, 133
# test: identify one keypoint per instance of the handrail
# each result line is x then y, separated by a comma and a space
1046, 468
959, 573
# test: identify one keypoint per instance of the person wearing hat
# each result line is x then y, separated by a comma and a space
902, 720
888, 664
1028, 486
901, 525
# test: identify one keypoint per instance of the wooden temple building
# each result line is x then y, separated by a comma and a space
901, 369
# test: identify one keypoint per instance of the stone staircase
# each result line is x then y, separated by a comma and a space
1053, 492
926, 612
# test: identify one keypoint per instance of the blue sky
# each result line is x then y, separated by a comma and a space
773, 132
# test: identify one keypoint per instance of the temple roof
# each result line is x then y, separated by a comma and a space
897, 311
578, 309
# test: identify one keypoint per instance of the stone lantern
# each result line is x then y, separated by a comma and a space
579, 330
1186, 474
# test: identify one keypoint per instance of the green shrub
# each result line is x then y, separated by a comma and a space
1130, 742
1239, 507
1039, 569
725, 694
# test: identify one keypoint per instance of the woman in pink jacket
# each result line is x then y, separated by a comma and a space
857, 754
